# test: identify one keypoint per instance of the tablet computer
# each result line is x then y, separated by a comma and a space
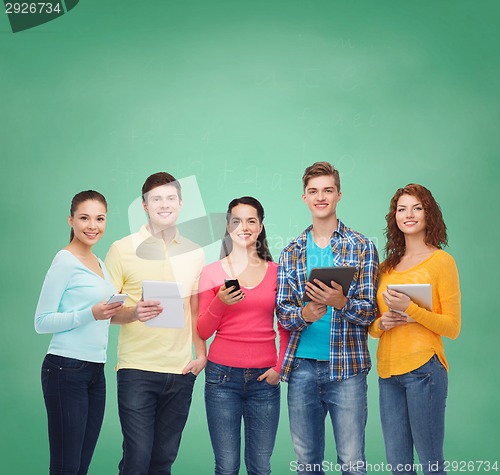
342, 275
421, 294
169, 294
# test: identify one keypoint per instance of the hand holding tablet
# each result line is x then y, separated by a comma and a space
421, 294
341, 275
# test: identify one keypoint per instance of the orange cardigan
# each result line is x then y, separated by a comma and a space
406, 348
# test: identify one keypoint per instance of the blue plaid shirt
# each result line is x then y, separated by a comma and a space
349, 330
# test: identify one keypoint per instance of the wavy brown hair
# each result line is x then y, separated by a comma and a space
435, 229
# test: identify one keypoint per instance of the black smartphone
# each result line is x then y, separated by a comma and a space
231, 283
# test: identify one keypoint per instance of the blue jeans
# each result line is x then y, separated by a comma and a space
230, 395
75, 396
153, 409
412, 409
311, 395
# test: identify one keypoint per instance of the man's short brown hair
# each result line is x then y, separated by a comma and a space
321, 169
160, 179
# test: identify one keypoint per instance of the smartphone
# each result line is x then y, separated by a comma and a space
117, 298
231, 283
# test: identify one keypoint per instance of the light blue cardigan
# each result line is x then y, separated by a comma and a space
65, 305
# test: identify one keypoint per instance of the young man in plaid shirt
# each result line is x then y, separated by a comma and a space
327, 358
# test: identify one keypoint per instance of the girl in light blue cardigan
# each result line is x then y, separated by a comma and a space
72, 306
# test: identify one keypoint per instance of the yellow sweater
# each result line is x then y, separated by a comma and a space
406, 348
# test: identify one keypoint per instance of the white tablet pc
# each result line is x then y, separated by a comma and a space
342, 275
421, 294
169, 294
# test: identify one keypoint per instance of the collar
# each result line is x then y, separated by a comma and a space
340, 230
146, 235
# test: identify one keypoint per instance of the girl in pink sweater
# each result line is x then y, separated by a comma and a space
243, 369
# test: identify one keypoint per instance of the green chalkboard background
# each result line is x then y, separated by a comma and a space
241, 96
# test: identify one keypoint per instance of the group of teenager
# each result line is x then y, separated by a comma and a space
322, 351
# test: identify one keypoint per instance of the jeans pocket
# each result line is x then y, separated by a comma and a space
215, 374
272, 385
425, 369
64, 364
296, 363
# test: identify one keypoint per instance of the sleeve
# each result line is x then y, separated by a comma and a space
374, 330
113, 263
283, 336
288, 301
447, 322
210, 308
48, 318
361, 308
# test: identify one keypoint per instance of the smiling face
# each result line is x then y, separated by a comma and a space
410, 215
321, 197
244, 226
162, 204
88, 222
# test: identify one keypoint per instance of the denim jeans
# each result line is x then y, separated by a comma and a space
311, 395
75, 396
412, 408
153, 409
230, 395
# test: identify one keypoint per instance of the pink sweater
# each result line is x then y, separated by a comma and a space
244, 332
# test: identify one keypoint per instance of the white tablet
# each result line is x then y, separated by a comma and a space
421, 294
169, 295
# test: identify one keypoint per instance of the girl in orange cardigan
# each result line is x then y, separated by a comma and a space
413, 371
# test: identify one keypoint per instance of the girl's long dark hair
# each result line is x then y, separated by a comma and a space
80, 198
261, 244
435, 229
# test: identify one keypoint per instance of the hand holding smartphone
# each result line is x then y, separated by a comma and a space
117, 298
232, 283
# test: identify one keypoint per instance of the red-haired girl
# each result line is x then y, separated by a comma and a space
412, 367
